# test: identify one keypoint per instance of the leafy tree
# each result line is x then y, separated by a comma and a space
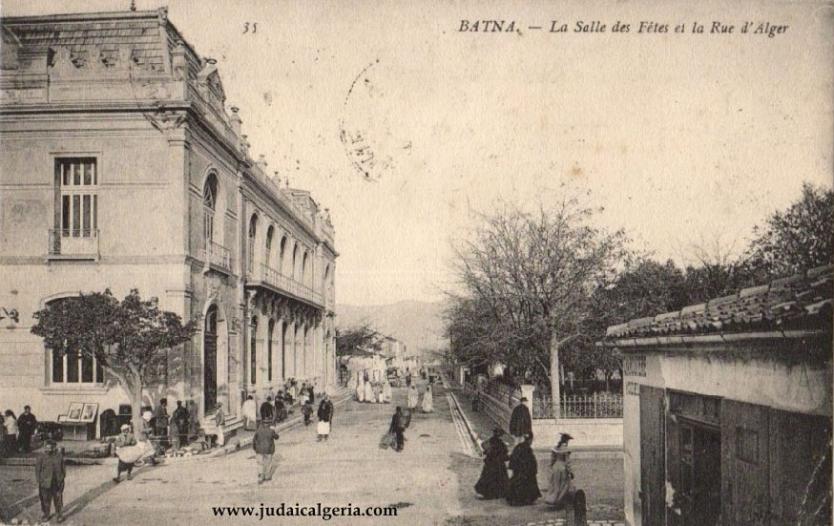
532, 275
128, 338
795, 239
357, 340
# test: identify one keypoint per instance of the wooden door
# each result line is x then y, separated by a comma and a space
745, 463
210, 360
652, 456
800, 469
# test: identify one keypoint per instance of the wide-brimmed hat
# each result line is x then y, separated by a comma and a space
125, 426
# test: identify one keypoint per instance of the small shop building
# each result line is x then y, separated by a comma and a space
727, 408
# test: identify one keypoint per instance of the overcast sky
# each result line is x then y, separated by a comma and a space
680, 137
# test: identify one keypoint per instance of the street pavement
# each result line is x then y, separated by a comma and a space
429, 483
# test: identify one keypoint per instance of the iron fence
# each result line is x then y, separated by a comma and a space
597, 405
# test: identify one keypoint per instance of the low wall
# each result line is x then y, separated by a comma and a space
586, 432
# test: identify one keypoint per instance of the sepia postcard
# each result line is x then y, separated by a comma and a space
455, 263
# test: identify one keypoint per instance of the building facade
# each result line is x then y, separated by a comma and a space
122, 167
727, 408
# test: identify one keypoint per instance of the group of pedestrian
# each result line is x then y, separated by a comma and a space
265, 436
426, 402
372, 392
16, 432
521, 488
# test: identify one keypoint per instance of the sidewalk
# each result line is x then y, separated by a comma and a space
89, 481
482, 427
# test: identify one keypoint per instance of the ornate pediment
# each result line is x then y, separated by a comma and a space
210, 86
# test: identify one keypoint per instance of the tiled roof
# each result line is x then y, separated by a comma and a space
802, 301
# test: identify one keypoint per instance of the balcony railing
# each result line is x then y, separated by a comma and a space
218, 256
286, 284
73, 242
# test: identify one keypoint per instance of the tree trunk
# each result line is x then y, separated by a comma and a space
135, 392
555, 386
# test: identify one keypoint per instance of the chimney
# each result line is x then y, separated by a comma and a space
235, 119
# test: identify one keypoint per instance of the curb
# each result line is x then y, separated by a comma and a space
476, 441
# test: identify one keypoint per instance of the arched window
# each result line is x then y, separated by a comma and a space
253, 230
293, 270
282, 248
269, 234
74, 367
253, 352
304, 267
209, 206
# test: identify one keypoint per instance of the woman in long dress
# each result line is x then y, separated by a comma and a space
428, 401
523, 488
494, 478
413, 397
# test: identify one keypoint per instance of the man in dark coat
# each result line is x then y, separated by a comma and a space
268, 411
50, 473
180, 418
264, 445
311, 392
521, 423
523, 488
160, 421
280, 408
26, 425
494, 479
398, 428
325, 415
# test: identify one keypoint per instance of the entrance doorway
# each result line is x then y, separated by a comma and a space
700, 471
210, 360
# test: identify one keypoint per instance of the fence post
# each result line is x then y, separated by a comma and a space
527, 392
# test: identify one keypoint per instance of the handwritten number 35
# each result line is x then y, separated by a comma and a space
247, 26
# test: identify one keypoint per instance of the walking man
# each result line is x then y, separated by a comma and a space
50, 472
26, 425
398, 428
180, 418
264, 445
268, 411
325, 414
160, 423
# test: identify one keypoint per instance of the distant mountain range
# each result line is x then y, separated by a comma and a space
418, 324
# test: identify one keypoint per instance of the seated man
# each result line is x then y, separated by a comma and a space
562, 492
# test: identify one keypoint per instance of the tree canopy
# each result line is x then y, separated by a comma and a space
532, 282
128, 338
357, 340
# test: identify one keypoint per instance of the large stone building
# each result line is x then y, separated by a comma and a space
122, 167
727, 411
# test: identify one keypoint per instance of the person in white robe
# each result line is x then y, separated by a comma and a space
369, 392
428, 402
360, 390
413, 397
386, 392
250, 413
